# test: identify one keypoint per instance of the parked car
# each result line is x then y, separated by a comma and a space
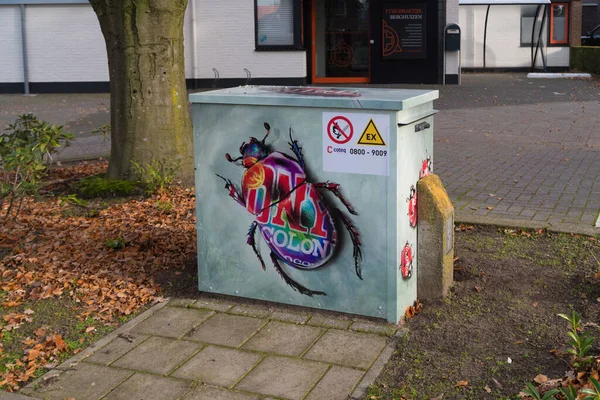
592, 38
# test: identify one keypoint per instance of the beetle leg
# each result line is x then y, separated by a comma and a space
295, 285
355, 236
252, 243
296, 149
335, 189
233, 191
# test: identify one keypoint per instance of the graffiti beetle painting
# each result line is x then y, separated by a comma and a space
290, 214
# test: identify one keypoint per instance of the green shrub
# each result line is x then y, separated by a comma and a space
586, 59
25, 153
99, 186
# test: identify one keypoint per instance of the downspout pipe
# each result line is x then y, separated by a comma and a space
24, 51
194, 50
487, 13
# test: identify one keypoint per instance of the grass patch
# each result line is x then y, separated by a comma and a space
498, 326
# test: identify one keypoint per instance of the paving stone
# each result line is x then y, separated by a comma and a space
284, 377
180, 303
218, 366
337, 384
228, 330
372, 327
213, 393
115, 349
172, 322
284, 339
211, 304
351, 349
251, 310
289, 317
329, 322
14, 396
86, 381
149, 387
158, 355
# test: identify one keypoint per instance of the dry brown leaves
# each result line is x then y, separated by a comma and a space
55, 256
38, 352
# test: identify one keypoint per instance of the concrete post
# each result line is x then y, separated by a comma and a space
435, 237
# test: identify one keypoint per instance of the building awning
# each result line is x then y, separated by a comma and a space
500, 2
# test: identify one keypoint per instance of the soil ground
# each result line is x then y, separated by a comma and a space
499, 327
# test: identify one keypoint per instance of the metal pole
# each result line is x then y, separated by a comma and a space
487, 13
24, 51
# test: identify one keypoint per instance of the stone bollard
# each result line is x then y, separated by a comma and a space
435, 238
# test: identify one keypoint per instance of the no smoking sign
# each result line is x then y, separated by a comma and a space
340, 129
367, 153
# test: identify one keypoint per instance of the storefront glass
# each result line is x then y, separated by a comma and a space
341, 40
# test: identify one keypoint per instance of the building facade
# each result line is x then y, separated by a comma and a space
55, 45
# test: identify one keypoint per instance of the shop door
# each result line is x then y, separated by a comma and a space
340, 41
405, 45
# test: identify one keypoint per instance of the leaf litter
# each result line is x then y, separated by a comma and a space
47, 254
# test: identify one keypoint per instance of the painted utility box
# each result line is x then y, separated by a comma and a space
307, 195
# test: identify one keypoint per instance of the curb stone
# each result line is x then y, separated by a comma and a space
465, 218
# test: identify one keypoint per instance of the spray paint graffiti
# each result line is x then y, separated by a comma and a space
290, 213
406, 259
412, 207
425, 167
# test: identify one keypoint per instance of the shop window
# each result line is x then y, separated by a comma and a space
528, 14
278, 24
559, 23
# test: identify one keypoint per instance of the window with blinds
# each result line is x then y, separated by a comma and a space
275, 22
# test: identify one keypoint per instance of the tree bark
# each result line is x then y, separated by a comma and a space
150, 118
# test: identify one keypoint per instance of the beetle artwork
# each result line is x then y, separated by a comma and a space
425, 167
412, 207
406, 261
291, 215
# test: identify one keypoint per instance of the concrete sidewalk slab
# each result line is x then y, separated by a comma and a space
249, 360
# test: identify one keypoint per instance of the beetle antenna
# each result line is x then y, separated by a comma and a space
268, 128
228, 157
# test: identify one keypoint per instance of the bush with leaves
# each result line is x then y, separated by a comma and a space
25, 153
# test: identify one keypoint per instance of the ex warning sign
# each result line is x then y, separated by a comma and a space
371, 135
356, 143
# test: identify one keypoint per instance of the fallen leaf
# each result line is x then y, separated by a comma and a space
597, 276
477, 289
535, 304
487, 389
29, 311
540, 378
462, 383
90, 329
509, 360
490, 208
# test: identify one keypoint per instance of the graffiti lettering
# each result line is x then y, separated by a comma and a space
291, 241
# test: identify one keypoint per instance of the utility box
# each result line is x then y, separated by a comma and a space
307, 195
452, 37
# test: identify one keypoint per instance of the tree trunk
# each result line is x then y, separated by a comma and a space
150, 118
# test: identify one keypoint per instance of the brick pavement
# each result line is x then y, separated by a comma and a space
510, 150
217, 349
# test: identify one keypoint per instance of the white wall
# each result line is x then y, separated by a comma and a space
65, 44
503, 49
226, 42
11, 59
